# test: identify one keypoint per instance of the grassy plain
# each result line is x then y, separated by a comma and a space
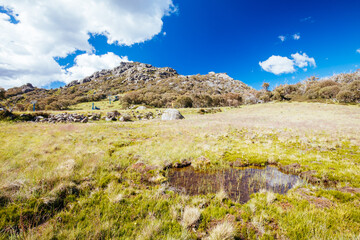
79, 181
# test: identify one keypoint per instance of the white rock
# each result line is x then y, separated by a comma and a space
171, 114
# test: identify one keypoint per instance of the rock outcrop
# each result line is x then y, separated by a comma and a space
130, 72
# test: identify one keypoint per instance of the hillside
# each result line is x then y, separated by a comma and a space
137, 83
343, 88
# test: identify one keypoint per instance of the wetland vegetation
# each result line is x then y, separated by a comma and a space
113, 180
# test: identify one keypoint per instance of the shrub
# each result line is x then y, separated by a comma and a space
313, 92
20, 107
326, 83
354, 87
29, 107
345, 96
184, 101
329, 92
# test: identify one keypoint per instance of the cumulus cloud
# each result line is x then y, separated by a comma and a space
279, 65
358, 51
86, 64
282, 38
303, 60
296, 36
48, 29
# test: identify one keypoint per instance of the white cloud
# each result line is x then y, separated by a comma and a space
358, 51
86, 64
303, 60
296, 36
48, 29
282, 38
279, 65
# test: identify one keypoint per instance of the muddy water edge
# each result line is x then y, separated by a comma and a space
238, 183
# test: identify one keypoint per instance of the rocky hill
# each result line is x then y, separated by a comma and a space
139, 83
136, 83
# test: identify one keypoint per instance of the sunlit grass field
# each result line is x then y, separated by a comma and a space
78, 181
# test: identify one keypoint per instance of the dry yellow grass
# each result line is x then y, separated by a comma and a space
36, 160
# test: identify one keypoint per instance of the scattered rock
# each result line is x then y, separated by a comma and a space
171, 114
141, 108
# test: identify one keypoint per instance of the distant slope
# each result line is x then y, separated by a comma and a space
343, 88
142, 84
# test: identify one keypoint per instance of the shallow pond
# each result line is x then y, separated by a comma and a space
238, 183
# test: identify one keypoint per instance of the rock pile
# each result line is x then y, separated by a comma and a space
94, 116
133, 115
63, 117
112, 116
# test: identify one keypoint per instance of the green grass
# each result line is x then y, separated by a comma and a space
75, 181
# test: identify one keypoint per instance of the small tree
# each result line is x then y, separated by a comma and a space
266, 86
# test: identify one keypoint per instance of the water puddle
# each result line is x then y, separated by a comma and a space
239, 184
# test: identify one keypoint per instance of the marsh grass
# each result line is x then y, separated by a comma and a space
64, 180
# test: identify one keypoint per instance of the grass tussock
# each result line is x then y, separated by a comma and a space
191, 216
223, 231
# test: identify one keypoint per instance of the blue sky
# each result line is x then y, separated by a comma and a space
235, 36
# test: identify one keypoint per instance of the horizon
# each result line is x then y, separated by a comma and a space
259, 41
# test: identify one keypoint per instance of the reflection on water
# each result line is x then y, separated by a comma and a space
239, 184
